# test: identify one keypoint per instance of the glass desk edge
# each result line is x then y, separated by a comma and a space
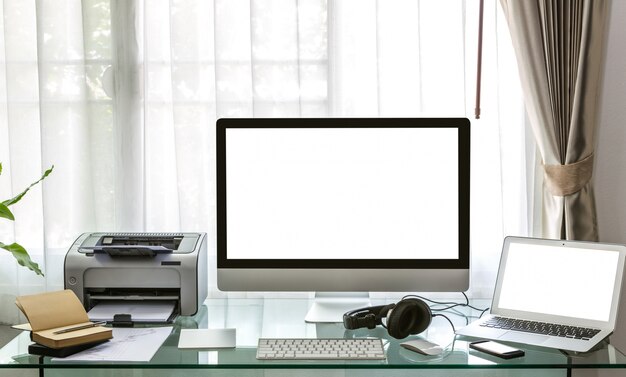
262, 318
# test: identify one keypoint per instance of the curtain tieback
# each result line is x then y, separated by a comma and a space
563, 180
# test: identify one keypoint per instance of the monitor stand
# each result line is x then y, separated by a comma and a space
329, 307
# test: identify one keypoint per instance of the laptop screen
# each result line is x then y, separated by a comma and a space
558, 280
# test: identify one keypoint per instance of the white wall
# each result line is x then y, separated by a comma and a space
610, 164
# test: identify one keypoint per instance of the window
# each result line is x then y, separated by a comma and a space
122, 98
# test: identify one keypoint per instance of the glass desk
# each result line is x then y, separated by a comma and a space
255, 318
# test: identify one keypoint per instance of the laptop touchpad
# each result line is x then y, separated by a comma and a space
514, 336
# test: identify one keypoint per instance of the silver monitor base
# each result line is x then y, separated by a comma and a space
330, 307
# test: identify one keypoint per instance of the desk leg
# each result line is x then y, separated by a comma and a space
41, 370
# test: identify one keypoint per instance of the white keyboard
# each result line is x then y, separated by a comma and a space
320, 349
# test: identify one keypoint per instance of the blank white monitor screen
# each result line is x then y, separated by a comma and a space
342, 193
343, 204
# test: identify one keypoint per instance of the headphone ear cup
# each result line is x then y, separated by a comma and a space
410, 316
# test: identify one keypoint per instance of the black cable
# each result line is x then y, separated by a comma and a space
450, 311
466, 298
447, 319
455, 305
460, 313
429, 300
483, 312
451, 304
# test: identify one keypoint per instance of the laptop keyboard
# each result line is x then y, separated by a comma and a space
552, 329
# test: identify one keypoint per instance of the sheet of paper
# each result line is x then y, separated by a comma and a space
140, 311
128, 344
207, 338
23, 326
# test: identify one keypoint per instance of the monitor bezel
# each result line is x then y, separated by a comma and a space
461, 124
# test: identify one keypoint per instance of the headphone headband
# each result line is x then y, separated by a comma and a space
364, 317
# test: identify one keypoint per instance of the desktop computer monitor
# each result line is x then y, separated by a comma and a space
343, 205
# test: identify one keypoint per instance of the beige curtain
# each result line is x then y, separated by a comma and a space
559, 48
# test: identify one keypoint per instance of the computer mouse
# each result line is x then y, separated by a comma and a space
422, 346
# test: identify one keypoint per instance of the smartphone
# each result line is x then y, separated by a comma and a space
497, 349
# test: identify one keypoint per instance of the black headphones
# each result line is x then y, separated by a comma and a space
408, 317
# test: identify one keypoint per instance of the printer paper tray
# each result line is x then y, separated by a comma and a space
140, 311
133, 298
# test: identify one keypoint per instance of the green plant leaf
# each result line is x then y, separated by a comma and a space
17, 198
0, 167
5, 212
22, 257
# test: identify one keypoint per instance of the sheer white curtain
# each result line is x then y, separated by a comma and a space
122, 96
52, 111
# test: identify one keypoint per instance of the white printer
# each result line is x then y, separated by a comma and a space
147, 268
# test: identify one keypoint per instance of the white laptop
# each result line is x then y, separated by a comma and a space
554, 293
